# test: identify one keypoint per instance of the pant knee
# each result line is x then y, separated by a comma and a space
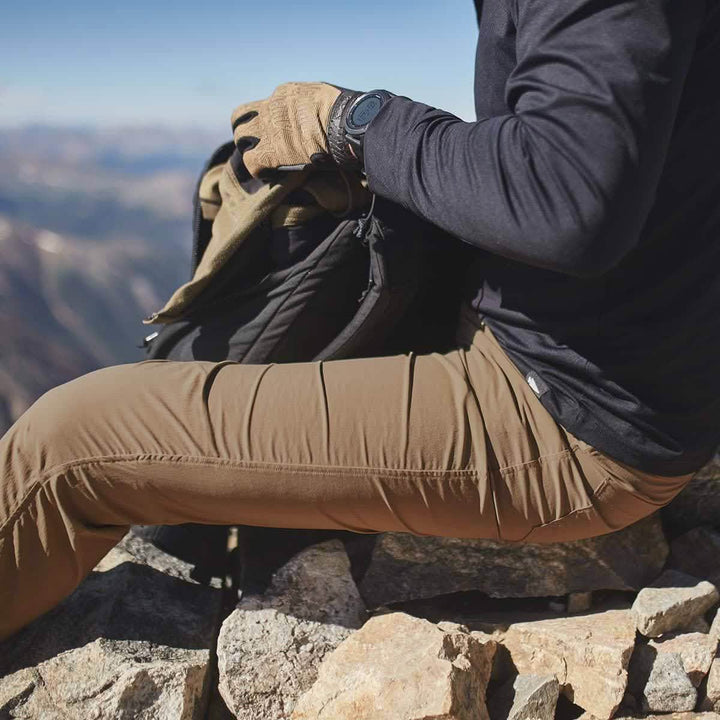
67, 423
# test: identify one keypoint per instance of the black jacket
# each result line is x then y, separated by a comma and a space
590, 185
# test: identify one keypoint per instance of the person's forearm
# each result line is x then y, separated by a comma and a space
566, 179
494, 183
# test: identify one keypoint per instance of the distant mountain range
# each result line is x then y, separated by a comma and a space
95, 232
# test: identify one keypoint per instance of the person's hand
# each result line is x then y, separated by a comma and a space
288, 130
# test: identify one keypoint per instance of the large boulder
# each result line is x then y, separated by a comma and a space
410, 567
526, 697
398, 667
696, 650
659, 681
699, 503
270, 646
669, 716
588, 654
711, 697
109, 679
672, 601
133, 640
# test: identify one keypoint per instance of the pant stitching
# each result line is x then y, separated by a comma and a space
574, 511
296, 468
552, 522
200, 461
542, 459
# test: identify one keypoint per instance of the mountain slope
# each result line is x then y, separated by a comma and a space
94, 235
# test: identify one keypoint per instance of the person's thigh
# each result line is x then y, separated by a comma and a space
364, 445
452, 445
391, 443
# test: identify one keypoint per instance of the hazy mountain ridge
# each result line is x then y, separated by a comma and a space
95, 233
85, 181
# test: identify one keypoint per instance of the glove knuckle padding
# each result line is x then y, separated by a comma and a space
291, 125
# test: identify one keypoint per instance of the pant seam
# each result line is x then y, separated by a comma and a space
541, 459
552, 522
295, 468
574, 511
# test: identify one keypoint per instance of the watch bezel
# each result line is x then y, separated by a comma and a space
354, 130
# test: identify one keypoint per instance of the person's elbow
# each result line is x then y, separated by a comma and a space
582, 246
577, 210
581, 250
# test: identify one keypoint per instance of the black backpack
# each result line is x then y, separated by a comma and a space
332, 288
377, 281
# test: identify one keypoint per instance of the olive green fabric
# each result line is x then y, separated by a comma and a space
291, 126
292, 215
338, 191
239, 214
236, 212
209, 192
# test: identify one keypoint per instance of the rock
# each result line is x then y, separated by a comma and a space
449, 626
685, 716
526, 697
16, 688
398, 667
697, 625
669, 716
715, 627
204, 548
135, 548
660, 682
697, 553
131, 641
579, 602
111, 679
696, 650
672, 601
270, 647
711, 701
699, 503
410, 567
589, 655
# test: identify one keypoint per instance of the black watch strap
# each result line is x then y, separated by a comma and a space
337, 141
340, 137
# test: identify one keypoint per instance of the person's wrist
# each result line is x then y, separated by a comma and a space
350, 117
338, 146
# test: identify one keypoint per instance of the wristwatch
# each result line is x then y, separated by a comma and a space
350, 118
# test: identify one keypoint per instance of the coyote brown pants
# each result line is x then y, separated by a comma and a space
455, 445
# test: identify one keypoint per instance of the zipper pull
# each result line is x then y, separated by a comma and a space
364, 222
147, 341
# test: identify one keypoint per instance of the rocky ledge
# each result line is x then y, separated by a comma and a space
396, 627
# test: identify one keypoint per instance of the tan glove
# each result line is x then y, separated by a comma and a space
286, 131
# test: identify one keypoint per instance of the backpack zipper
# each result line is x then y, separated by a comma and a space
361, 231
364, 222
147, 341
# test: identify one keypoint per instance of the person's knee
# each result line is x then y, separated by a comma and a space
69, 421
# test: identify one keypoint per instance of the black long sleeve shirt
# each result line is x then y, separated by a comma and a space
590, 186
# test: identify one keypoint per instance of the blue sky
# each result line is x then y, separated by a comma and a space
183, 63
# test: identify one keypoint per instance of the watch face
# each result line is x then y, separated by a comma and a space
365, 111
